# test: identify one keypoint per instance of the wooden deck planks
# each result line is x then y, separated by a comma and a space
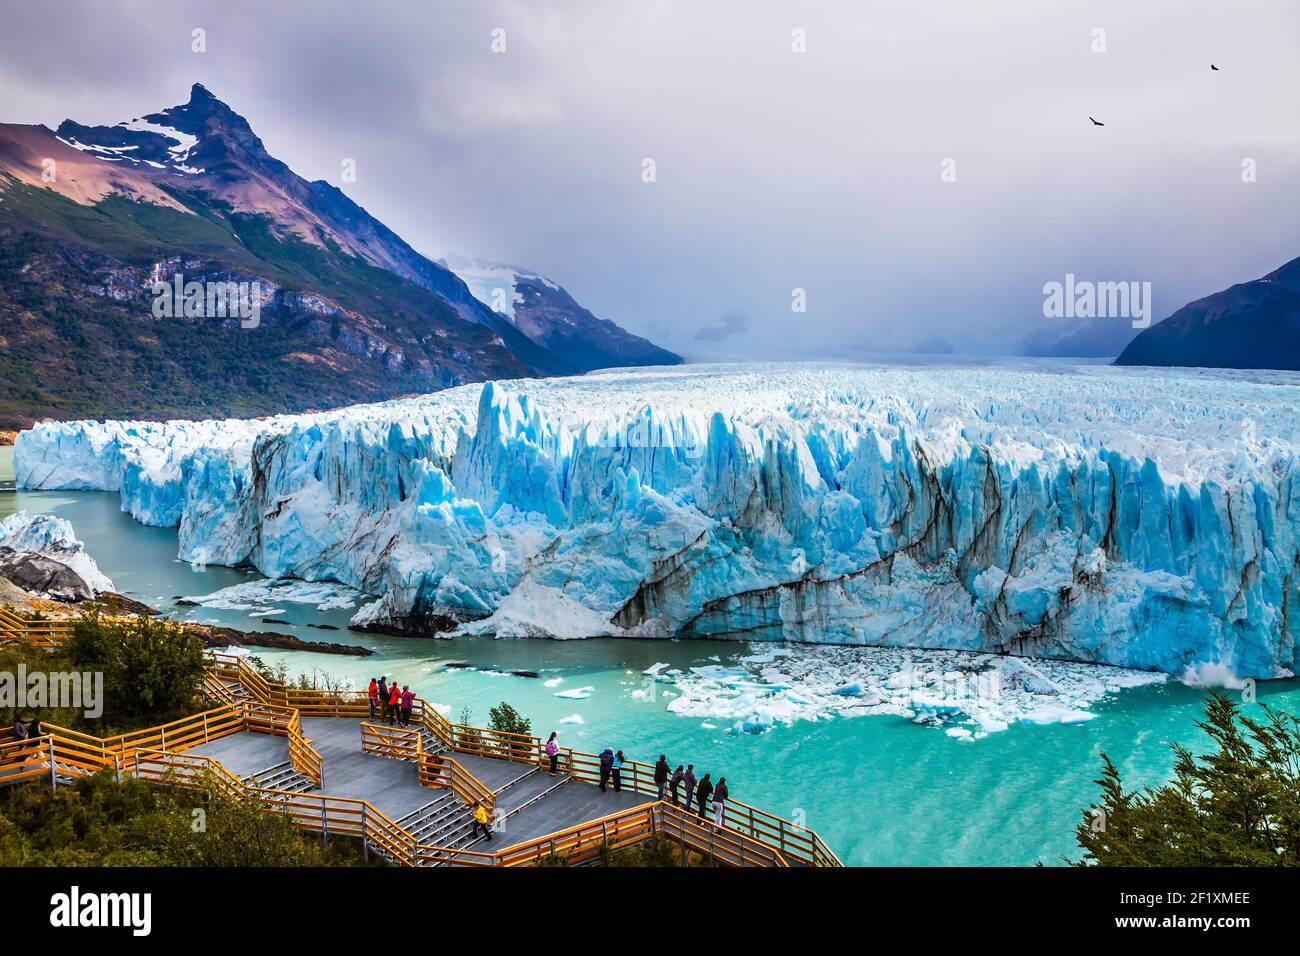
245, 753
393, 787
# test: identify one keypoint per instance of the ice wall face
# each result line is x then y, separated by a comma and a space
1146, 519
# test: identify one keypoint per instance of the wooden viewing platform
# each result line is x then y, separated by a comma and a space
406, 793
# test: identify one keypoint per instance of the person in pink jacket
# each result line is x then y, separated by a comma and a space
408, 701
553, 751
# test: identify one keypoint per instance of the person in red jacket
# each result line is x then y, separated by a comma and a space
394, 701
408, 701
374, 697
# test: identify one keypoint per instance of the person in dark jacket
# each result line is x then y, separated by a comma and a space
689, 780
661, 775
606, 767
678, 776
702, 794
20, 735
383, 697
719, 801
616, 771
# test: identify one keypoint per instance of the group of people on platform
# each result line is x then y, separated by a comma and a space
670, 784
391, 703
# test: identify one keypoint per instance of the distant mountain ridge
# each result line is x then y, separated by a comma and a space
90, 216
546, 313
1249, 325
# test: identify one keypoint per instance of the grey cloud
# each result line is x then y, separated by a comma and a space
729, 324
776, 170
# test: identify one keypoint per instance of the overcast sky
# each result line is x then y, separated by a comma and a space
776, 170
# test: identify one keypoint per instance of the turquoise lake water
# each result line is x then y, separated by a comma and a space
881, 790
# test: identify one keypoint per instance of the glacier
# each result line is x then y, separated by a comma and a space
1144, 518
23, 536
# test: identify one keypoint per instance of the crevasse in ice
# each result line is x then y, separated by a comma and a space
1145, 518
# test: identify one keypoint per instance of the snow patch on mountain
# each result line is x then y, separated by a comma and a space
495, 284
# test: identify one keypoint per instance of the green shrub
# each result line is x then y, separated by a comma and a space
152, 668
1236, 806
99, 822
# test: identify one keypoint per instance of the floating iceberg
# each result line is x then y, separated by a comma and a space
258, 594
978, 693
1140, 518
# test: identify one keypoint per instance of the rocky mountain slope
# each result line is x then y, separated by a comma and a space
91, 217
1249, 325
549, 316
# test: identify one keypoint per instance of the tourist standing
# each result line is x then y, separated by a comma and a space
678, 776
719, 801
373, 694
661, 775
383, 696
394, 701
702, 794
689, 780
616, 771
553, 751
606, 767
408, 702
20, 735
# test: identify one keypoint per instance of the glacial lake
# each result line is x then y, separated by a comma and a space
881, 790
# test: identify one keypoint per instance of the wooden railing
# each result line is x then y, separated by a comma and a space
400, 743
83, 753
343, 816
338, 816
625, 828
156, 754
161, 766
44, 634
302, 755
443, 771
780, 834
787, 838
25, 760
437, 771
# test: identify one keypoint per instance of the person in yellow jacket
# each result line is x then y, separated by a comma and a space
480, 820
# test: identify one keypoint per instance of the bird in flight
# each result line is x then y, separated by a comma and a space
1095, 123
1214, 68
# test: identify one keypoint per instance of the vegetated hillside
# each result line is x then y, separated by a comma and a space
78, 335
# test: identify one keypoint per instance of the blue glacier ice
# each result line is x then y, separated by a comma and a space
1136, 517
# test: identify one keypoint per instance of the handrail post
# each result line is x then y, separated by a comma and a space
54, 775
205, 727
